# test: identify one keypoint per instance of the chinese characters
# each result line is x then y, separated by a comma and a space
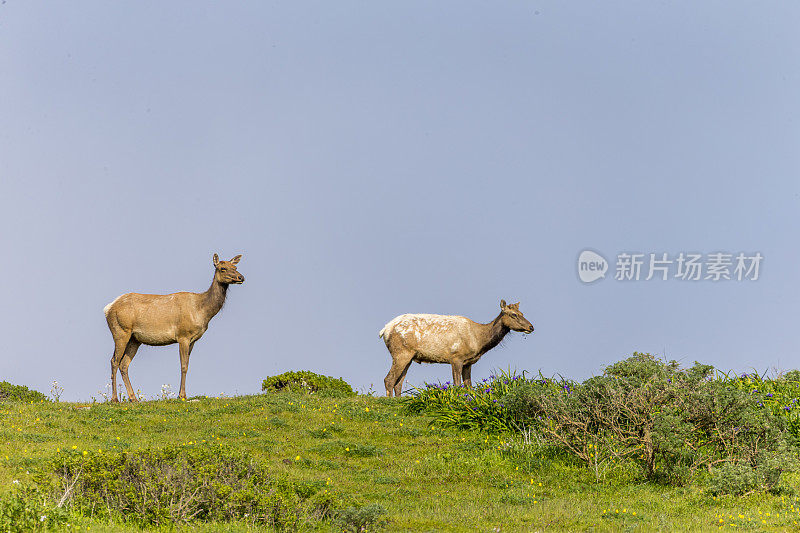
687, 266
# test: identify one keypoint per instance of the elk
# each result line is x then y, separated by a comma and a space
161, 319
445, 339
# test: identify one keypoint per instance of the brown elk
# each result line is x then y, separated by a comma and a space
160, 319
456, 340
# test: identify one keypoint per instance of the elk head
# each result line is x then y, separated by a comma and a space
226, 272
512, 318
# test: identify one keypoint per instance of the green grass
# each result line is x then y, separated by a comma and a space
368, 450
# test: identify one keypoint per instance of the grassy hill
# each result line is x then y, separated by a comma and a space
368, 456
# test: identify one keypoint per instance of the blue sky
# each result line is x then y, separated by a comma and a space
373, 159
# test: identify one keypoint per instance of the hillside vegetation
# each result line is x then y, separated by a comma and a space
444, 459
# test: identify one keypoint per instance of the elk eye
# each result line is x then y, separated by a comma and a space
223, 269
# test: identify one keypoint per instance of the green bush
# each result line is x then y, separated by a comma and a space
745, 477
672, 422
791, 375
779, 395
634, 411
19, 393
26, 509
362, 519
307, 382
182, 484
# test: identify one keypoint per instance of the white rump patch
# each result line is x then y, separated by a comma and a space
107, 308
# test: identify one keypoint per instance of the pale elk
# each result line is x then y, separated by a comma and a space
160, 319
456, 340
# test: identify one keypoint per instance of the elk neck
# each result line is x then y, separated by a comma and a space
493, 333
214, 298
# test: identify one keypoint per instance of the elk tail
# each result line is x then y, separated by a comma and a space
389, 326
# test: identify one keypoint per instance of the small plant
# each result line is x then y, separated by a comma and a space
307, 382
20, 393
56, 390
104, 394
166, 391
362, 519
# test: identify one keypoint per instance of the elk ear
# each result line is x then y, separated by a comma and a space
515, 306
215, 259
502, 304
235, 260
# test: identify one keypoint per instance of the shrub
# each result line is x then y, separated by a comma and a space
745, 477
19, 393
26, 509
791, 375
178, 485
779, 395
307, 382
632, 412
668, 420
362, 519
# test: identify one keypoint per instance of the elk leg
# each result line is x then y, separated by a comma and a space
398, 387
127, 357
120, 345
389, 381
466, 374
400, 362
457, 366
185, 349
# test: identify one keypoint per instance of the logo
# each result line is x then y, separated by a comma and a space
684, 266
591, 266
